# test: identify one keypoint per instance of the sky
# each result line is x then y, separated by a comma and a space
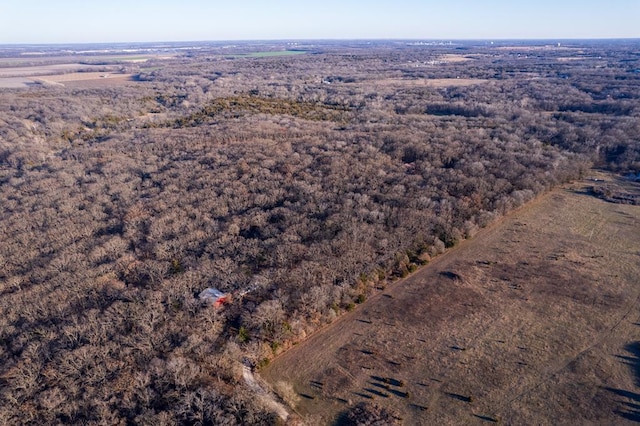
90, 21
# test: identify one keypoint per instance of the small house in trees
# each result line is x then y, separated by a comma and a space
214, 297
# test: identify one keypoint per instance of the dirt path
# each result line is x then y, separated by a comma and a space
267, 398
534, 321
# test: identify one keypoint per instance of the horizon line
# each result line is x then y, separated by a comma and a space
266, 40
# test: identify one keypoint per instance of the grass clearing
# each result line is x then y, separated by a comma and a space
15, 82
453, 58
534, 321
82, 76
39, 70
57, 74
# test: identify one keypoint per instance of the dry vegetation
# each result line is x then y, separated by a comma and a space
455, 58
308, 178
534, 321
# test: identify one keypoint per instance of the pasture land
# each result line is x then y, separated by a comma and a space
14, 82
535, 320
61, 74
89, 79
38, 70
77, 71
75, 79
453, 58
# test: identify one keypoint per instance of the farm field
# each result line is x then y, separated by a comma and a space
14, 82
37, 70
534, 321
84, 79
61, 74
74, 71
88, 79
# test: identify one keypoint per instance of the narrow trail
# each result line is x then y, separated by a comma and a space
265, 396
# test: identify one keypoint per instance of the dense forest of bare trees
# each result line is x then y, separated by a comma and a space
314, 179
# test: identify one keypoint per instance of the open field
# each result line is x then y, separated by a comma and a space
534, 321
59, 74
76, 79
453, 58
45, 70
15, 82
45, 59
79, 76
128, 58
86, 79
76, 71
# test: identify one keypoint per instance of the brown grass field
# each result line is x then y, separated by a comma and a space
89, 79
14, 82
536, 320
60, 75
24, 72
453, 58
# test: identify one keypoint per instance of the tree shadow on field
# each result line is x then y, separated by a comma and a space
486, 418
459, 397
451, 275
633, 360
631, 410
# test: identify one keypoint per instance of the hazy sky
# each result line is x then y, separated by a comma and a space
61, 21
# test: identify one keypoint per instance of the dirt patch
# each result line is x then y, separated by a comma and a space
525, 324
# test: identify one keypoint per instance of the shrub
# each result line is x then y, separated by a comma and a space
243, 334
